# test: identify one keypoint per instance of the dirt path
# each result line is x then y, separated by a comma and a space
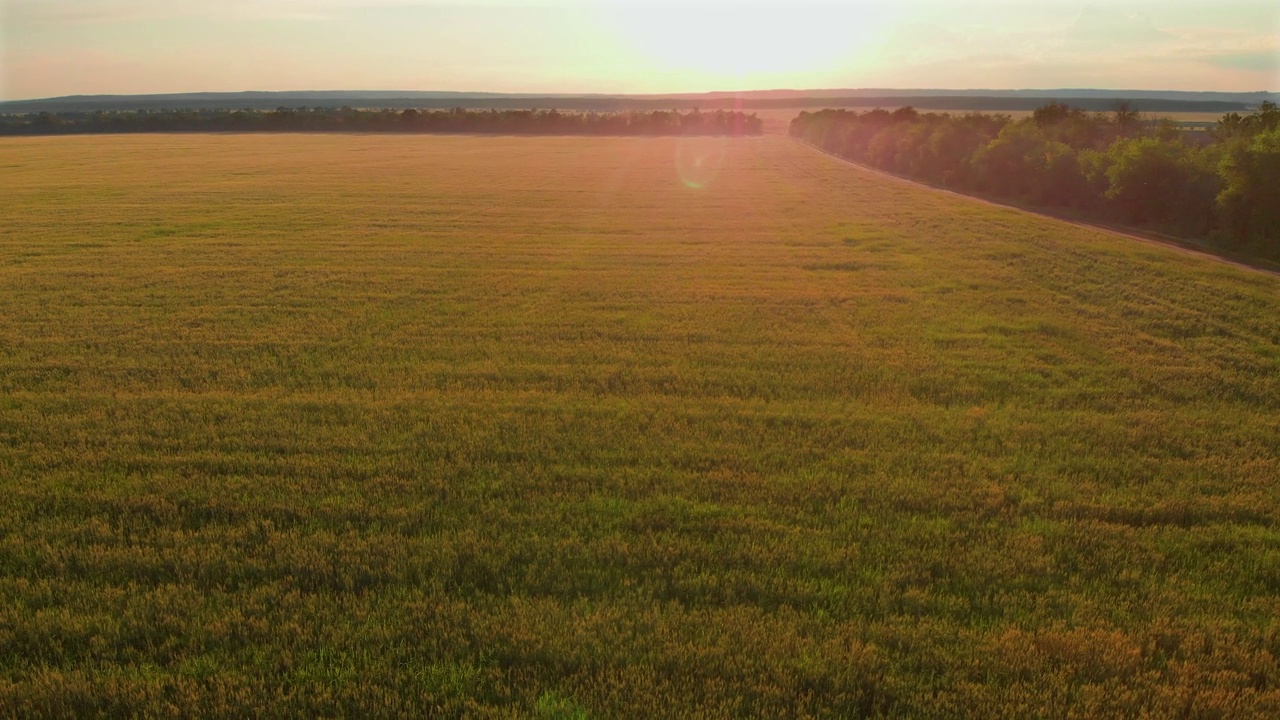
1101, 228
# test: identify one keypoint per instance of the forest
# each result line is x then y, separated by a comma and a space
1221, 186
502, 122
1009, 101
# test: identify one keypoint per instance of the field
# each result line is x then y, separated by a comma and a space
565, 427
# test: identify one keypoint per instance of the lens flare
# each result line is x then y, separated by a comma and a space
699, 159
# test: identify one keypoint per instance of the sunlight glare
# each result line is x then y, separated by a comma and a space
699, 159
750, 46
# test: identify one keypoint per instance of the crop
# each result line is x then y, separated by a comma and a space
344, 425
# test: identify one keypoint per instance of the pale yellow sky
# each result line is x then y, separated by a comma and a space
63, 47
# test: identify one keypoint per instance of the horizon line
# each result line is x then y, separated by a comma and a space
553, 94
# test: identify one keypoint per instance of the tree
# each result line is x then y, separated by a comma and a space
1058, 178
1048, 116
1003, 165
1250, 201
1162, 181
1128, 121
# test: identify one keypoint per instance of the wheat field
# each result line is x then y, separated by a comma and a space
317, 425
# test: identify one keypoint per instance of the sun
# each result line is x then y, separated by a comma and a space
744, 47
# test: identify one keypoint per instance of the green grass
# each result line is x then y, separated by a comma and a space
352, 426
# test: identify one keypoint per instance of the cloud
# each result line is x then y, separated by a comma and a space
1262, 61
68, 12
1093, 47
1105, 27
101, 12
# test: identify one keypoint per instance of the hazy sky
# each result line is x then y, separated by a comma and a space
63, 47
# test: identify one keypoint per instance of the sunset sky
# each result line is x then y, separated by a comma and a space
63, 47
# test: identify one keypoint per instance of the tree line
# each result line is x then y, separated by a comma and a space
508, 122
267, 101
1221, 185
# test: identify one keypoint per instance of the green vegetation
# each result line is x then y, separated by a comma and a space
752, 101
350, 425
500, 122
1223, 186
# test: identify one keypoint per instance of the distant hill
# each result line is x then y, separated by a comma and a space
1248, 98
955, 100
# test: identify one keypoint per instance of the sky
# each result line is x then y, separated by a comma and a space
66, 47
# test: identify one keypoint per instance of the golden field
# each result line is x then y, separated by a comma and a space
614, 427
